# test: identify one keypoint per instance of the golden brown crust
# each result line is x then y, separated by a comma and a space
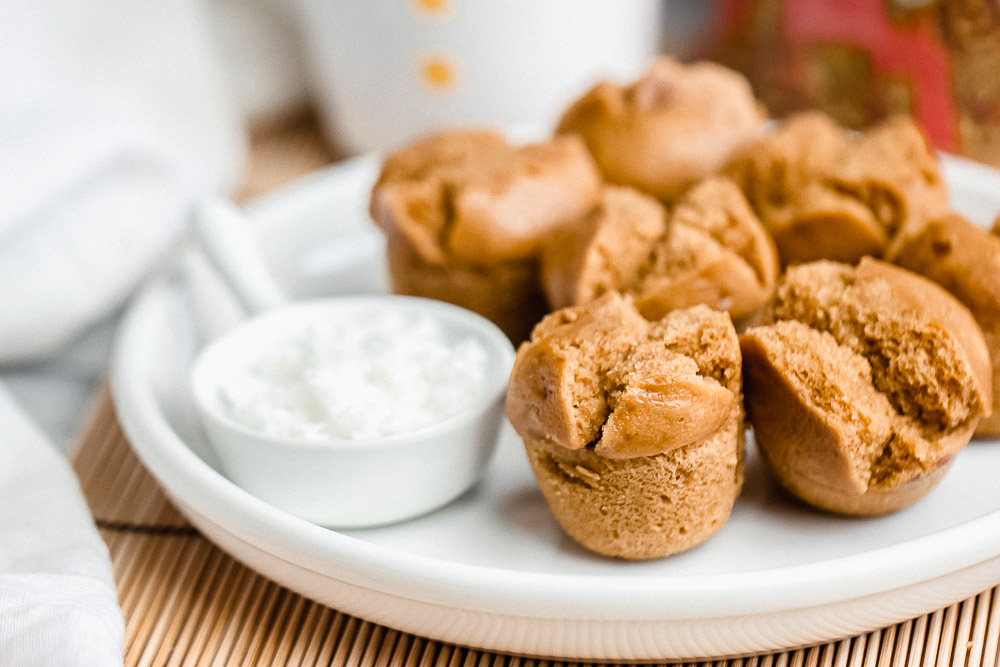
914, 293
825, 224
442, 151
713, 251
506, 210
965, 260
464, 195
716, 252
633, 428
864, 385
811, 386
409, 197
674, 125
892, 169
558, 385
813, 447
802, 149
607, 251
825, 194
466, 214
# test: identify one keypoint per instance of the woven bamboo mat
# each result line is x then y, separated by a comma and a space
188, 603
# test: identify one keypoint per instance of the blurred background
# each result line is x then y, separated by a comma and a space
117, 115
373, 71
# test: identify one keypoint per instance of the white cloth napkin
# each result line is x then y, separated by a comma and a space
57, 598
114, 117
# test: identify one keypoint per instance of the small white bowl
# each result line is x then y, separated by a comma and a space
354, 483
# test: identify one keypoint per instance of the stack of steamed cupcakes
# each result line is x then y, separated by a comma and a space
671, 265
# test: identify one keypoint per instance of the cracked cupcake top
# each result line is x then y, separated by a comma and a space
964, 259
824, 193
468, 194
710, 250
604, 377
926, 352
881, 377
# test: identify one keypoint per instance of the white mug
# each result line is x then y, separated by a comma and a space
386, 71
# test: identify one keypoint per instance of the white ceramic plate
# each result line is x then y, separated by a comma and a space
493, 570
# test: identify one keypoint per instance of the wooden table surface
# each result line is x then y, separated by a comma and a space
186, 602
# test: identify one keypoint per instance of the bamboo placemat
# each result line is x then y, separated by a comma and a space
186, 602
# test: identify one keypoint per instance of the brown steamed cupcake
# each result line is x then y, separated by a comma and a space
465, 214
864, 385
711, 250
823, 193
634, 429
965, 260
674, 125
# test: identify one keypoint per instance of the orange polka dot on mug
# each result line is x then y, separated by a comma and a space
438, 72
433, 9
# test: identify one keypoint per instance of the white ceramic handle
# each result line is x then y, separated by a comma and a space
222, 232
